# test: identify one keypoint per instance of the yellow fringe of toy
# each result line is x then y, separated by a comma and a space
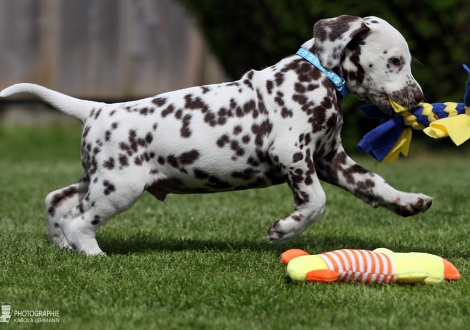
456, 126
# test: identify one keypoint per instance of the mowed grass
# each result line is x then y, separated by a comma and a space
202, 262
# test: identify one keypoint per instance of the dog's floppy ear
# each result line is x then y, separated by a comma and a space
332, 36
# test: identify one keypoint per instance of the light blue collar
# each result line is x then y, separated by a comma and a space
339, 82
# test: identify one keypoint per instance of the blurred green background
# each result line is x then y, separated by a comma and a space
253, 34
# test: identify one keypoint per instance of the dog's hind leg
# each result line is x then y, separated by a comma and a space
105, 198
60, 202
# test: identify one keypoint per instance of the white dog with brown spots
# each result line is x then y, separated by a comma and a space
280, 124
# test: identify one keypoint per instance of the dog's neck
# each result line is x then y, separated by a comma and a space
353, 72
351, 83
308, 45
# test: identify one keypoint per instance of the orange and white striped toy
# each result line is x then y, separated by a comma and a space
370, 267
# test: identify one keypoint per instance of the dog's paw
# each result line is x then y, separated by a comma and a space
273, 234
60, 241
282, 232
412, 204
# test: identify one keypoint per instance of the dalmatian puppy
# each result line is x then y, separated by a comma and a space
280, 124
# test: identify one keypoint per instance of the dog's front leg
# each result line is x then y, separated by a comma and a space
339, 169
309, 197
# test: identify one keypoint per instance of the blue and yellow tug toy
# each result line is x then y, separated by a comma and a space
393, 135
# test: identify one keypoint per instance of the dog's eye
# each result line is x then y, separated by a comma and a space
395, 61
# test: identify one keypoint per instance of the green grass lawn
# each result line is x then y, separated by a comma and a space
202, 262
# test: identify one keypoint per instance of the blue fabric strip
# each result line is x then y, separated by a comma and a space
381, 140
467, 88
339, 82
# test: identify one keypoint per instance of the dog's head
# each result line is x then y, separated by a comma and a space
373, 57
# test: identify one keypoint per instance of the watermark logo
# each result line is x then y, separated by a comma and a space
6, 313
28, 316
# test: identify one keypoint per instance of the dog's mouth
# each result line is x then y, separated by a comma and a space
389, 105
382, 101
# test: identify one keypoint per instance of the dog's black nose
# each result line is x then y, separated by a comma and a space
419, 97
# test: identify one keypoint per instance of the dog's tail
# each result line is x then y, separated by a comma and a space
77, 108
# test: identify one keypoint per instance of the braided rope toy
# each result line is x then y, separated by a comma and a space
437, 120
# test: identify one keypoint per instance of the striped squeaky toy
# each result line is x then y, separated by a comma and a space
380, 266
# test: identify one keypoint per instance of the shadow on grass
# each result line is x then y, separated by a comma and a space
142, 244
138, 244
